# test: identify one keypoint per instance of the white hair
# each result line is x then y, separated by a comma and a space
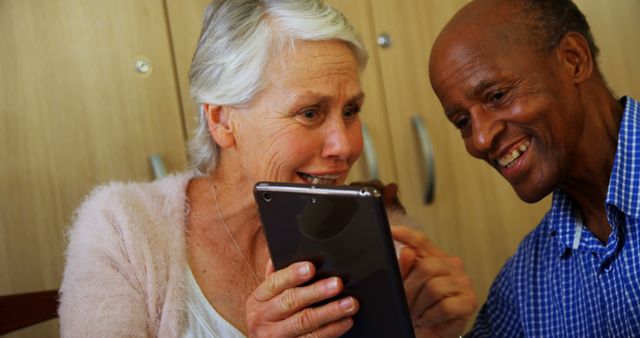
237, 41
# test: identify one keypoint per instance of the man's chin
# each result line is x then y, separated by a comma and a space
531, 194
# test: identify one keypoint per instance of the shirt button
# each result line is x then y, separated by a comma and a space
608, 268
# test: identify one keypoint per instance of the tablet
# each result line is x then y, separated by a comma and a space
344, 232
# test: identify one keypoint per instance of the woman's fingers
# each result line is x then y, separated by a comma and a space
324, 321
293, 300
284, 306
269, 269
278, 281
335, 329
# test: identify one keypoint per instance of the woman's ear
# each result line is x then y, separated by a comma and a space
220, 124
575, 54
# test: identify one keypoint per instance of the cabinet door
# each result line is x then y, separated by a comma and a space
379, 157
474, 214
616, 29
75, 112
185, 21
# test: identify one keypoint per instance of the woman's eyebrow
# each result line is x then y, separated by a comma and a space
306, 95
358, 97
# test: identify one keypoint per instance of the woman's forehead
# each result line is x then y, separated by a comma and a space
311, 65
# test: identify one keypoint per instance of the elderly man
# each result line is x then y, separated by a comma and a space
520, 80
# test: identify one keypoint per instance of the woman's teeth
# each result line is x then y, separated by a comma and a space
507, 160
320, 179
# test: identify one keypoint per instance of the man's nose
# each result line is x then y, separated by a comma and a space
485, 127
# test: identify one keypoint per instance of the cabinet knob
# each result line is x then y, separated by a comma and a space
143, 66
384, 40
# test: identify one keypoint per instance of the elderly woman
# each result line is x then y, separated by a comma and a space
279, 92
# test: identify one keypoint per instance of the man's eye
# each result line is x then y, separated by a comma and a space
496, 96
461, 122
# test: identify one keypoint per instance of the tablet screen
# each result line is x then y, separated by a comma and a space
344, 231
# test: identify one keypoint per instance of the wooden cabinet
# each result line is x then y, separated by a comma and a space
74, 112
616, 29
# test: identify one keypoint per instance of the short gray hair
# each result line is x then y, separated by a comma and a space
237, 41
550, 20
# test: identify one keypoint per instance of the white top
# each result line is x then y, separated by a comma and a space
202, 319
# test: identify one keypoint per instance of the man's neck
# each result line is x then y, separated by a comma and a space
588, 182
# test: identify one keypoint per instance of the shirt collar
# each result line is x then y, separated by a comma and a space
561, 221
564, 222
624, 183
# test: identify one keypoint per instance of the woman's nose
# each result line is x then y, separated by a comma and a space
337, 144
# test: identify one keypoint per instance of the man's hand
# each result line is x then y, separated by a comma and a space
439, 292
389, 194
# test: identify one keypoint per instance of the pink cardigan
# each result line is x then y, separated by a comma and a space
126, 258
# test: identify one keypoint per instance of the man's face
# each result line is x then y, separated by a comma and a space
516, 108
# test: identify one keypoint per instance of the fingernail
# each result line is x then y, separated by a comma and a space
346, 303
304, 270
332, 284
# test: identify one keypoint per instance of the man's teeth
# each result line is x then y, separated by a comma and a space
507, 160
321, 179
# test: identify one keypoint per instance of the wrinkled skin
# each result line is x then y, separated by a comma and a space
542, 117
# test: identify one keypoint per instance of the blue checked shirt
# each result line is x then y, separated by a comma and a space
562, 281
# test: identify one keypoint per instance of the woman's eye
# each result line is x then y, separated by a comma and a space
309, 114
351, 111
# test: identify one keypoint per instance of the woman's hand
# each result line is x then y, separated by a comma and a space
281, 306
439, 292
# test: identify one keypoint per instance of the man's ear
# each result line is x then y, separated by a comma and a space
220, 124
574, 53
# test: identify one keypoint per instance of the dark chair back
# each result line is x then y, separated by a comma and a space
22, 310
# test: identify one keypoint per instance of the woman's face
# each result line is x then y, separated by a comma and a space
304, 126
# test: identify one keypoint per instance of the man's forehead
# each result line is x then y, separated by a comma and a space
487, 10
484, 19
478, 37
458, 55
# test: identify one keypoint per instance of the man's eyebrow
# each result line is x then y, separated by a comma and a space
480, 88
450, 111
474, 93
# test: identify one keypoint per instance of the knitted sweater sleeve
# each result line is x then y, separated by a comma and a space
123, 273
